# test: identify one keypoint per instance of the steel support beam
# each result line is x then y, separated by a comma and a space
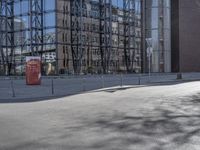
129, 34
105, 33
7, 35
77, 34
36, 27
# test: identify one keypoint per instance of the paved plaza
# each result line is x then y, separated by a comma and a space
14, 89
157, 117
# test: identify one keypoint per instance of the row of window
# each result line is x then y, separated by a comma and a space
115, 30
96, 39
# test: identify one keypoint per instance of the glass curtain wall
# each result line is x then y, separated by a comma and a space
93, 41
22, 15
158, 29
104, 36
49, 56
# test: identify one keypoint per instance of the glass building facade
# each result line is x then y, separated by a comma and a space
158, 28
105, 37
33, 25
78, 36
83, 36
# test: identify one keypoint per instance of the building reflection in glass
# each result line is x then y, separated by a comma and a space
59, 35
158, 28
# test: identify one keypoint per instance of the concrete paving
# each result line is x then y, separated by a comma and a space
69, 85
162, 117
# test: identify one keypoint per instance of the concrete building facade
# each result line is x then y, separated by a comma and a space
185, 35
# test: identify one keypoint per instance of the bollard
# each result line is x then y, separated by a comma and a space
139, 80
83, 84
103, 81
121, 78
52, 87
149, 78
13, 90
179, 76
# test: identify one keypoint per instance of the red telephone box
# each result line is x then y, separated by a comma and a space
33, 70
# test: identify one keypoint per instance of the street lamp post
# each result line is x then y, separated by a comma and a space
149, 53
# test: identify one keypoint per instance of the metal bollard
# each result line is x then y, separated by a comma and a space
103, 81
179, 76
52, 87
83, 84
13, 90
139, 80
121, 79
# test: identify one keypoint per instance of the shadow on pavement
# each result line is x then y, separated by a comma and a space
160, 129
170, 125
29, 100
126, 87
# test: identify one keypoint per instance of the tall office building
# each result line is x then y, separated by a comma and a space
85, 36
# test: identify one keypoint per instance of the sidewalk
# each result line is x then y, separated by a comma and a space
161, 117
53, 87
